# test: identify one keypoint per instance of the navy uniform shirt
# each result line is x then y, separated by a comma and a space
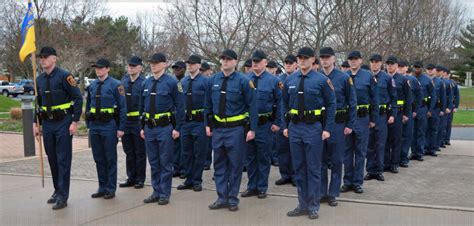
366, 91
449, 93
169, 97
112, 95
198, 92
415, 92
440, 90
133, 90
427, 90
387, 92
239, 96
455, 91
318, 94
404, 92
268, 94
63, 90
345, 94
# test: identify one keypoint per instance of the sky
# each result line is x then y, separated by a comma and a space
131, 8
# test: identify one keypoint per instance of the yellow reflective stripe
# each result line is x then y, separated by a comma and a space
383, 105
265, 114
159, 115
363, 106
196, 111
59, 107
133, 113
400, 102
315, 112
103, 110
233, 118
425, 99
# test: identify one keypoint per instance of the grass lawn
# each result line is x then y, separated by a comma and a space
463, 117
11, 125
467, 98
7, 103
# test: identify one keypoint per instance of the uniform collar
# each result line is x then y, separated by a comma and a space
309, 75
160, 79
52, 72
264, 74
189, 77
231, 76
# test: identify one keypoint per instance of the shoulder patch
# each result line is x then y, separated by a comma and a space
330, 84
351, 82
70, 79
180, 87
251, 84
280, 85
121, 90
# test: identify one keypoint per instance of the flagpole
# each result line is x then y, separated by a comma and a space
38, 138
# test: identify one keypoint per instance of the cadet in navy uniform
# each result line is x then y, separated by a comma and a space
193, 132
345, 66
357, 141
179, 70
106, 118
425, 110
259, 153
438, 111
162, 111
207, 71
407, 133
232, 115
455, 105
133, 144
448, 106
334, 147
404, 102
305, 95
284, 155
60, 107
387, 91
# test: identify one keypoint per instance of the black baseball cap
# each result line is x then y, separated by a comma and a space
194, 59
392, 59
157, 58
326, 51
179, 64
47, 51
290, 58
229, 53
306, 51
258, 55
418, 64
345, 64
354, 54
135, 60
205, 66
101, 63
402, 63
376, 57
272, 64
248, 63
430, 66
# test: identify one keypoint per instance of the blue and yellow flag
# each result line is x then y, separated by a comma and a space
28, 44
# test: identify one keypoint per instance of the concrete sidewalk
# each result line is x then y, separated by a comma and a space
23, 202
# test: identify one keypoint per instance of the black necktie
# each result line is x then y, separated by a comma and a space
189, 102
301, 97
153, 99
49, 98
129, 96
97, 97
222, 98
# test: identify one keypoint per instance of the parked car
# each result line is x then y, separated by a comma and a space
7, 89
28, 86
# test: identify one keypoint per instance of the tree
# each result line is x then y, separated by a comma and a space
465, 51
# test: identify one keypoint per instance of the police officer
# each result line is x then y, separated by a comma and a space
447, 111
247, 66
407, 131
440, 105
305, 95
179, 70
272, 68
267, 94
106, 118
357, 141
232, 115
284, 155
207, 71
193, 132
387, 94
423, 111
404, 103
455, 105
133, 144
345, 66
162, 110
60, 107
334, 147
